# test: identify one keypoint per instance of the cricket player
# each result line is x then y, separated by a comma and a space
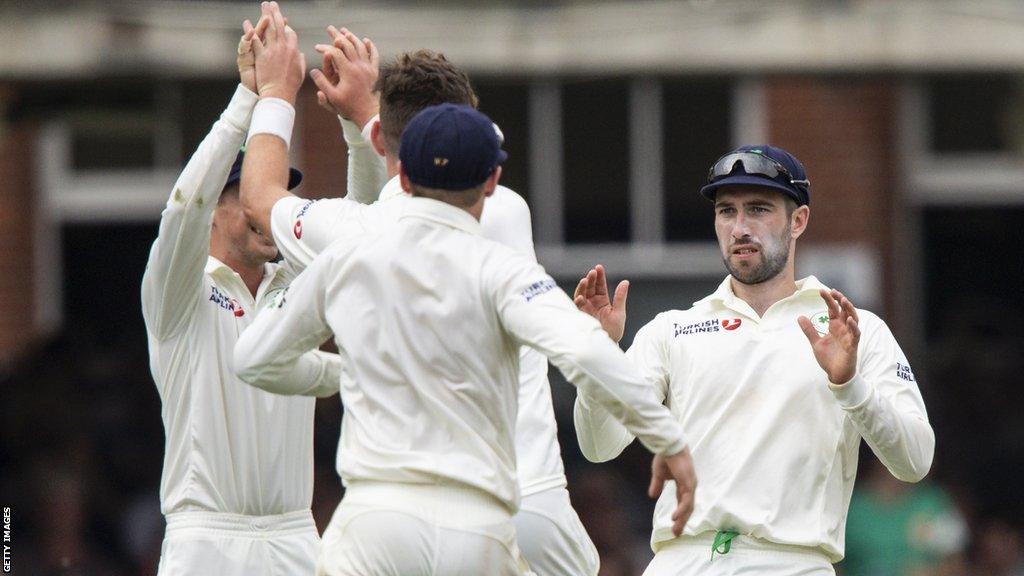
550, 533
429, 317
775, 380
238, 469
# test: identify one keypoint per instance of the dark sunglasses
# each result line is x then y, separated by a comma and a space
753, 163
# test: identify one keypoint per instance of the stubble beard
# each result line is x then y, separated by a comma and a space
773, 262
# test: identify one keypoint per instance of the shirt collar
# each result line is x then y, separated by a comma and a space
726, 296
442, 213
215, 268
392, 189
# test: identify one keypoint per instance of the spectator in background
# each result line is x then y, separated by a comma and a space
900, 529
63, 485
617, 525
998, 548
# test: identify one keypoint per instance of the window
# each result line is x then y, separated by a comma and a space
976, 113
507, 102
103, 266
595, 146
197, 104
697, 130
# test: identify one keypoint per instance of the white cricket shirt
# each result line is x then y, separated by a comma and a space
774, 443
229, 447
304, 228
429, 317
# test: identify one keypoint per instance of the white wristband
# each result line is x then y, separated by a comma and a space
272, 116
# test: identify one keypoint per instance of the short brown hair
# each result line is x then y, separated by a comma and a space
458, 198
411, 82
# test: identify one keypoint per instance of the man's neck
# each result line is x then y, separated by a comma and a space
761, 296
391, 162
250, 272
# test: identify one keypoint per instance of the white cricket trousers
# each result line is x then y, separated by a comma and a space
396, 529
219, 544
691, 555
552, 537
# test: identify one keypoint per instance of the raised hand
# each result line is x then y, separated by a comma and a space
836, 352
280, 65
246, 58
591, 296
350, 70
678, 467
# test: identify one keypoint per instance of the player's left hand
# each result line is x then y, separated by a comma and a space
836, 352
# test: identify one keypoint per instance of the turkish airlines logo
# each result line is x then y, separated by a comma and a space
226, 302
297, 229
732, 324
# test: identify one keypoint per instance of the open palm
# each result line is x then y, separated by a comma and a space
591, 296
836, 352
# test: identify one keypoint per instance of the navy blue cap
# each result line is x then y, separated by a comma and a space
294, 176
801, 193
450, 147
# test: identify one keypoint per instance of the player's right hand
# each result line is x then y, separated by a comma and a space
280, 65
591, 296
346, 81
246, 59
677, 467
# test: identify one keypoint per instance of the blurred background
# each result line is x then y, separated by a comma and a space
908, 115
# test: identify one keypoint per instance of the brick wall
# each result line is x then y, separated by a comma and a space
321, 149
17, 195
843, 129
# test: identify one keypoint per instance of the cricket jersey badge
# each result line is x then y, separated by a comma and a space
820, 322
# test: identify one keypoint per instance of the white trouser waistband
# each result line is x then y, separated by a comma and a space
743, 546
241, 524
441, 504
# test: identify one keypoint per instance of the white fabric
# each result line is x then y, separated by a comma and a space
746, 557
774, 444
273, 116
229, 447
419, 530
364, 164
236, 545
552, 538
428, 318
304, 228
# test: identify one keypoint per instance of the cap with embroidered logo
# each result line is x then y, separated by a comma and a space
450, 147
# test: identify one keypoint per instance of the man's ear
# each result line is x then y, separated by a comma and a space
377, 138
800, 219
492, 182
404, 180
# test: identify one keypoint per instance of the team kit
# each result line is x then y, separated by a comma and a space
425, 279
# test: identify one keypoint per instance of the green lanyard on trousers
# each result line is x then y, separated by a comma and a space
723, 542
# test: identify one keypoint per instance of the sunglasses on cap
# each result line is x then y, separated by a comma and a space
753, 163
